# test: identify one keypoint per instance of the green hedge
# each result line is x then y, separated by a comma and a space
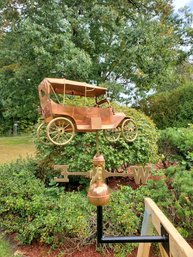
176, 144
170, 109
179, 181
52, 216
39, 213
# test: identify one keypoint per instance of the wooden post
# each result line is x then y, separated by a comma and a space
177, 244
162, 251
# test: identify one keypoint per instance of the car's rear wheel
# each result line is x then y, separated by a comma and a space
129, 130
41, 134
112, 135
60, 131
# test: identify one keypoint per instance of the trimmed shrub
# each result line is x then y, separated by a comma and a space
52, 216
39, 213
180, 210
170, 109
176, 144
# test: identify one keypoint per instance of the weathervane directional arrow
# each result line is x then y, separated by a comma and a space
139, 173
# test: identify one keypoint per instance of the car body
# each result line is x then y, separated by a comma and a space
61, 118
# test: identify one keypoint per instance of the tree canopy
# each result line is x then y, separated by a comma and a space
130, 46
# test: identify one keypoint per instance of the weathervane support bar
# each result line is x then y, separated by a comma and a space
124, 239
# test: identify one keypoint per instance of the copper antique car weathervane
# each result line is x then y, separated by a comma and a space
62, 120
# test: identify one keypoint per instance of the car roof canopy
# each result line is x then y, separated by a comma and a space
73, 87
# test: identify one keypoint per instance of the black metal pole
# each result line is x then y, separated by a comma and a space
99, 223
133, 239
123, 239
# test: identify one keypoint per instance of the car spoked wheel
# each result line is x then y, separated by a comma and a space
112, 135
129, 130
60, 131
41, 134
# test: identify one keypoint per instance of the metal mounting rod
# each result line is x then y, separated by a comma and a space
97, 143
123, 239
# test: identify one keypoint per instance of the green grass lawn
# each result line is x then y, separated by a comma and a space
5, 248
12, 148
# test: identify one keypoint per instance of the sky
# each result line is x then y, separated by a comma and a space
181, 3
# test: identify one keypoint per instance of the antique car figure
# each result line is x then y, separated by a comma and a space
62, 120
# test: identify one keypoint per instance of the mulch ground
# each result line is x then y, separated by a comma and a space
36, 250
39, 250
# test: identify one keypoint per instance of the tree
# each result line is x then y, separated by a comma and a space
36, 46
131, 47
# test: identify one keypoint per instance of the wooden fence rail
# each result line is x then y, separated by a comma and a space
155, 219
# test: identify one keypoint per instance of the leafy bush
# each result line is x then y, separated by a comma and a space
181, 210
37, 212
174, 195
177, 144
53, 216
78, 154
170, 109
49, 214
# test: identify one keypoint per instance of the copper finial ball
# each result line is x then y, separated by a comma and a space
98, 193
